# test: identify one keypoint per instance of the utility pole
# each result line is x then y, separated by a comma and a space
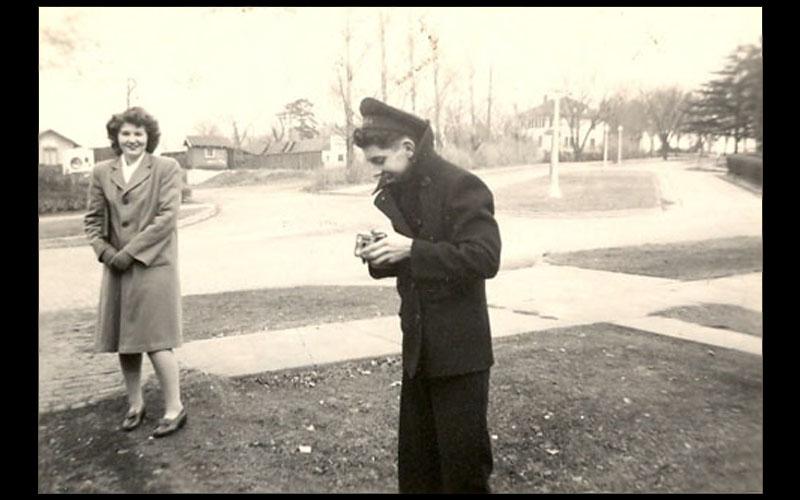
605, 144
619, 145
555, 190
131, 86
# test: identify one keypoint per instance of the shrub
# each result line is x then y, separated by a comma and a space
62, 193
750, 167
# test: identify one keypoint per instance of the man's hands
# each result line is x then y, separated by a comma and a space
390, 250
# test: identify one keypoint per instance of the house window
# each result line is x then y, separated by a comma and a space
341, 157
50, 156
209, 152
592, 143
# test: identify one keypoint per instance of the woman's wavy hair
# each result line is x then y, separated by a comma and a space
135, 116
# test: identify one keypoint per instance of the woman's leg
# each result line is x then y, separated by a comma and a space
132, 372
168, 373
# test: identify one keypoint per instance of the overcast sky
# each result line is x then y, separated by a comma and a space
195, 65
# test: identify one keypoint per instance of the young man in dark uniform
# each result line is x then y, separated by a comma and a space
445, 242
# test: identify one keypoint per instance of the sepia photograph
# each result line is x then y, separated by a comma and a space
400, 250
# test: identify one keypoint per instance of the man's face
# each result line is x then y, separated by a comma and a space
394, 159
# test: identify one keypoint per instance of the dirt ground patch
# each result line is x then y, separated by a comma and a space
724, 316
583, 192
595, 408
694, 260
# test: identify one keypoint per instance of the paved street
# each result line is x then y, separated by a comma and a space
265, 236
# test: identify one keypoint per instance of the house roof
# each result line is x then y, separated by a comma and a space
208, 141
305, 146
546, 108
51, 131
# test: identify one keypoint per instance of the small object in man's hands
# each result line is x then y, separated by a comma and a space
364, 240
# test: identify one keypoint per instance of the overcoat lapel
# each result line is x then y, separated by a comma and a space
388, 205
116, 174
140, 174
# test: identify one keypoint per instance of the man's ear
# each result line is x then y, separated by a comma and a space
408, 146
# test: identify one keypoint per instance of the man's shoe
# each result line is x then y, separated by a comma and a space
167, 426
132, 420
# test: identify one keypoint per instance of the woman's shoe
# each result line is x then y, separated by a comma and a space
132, 420
167, 426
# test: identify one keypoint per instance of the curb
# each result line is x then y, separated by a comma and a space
70, 241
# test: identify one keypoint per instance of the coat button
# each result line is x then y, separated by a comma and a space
125, 224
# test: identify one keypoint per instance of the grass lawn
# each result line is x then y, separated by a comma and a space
60, 228
725, 316
596, 408
247, 311
230, 178
583, 192
687, 261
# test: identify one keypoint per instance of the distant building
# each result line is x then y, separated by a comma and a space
209, 152
537, 125
52, 147
306, 154
102, 154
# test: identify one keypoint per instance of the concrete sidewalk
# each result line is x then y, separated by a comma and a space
517, 305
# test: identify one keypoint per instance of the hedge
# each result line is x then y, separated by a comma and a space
62, 193
750, 167
68, 193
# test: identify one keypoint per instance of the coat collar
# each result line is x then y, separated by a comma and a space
139, 175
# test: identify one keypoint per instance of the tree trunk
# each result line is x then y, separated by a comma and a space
348, 103
436, 98
489, 106
664, 145
412, 73
382, 22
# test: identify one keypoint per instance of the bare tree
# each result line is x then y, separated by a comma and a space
442, 80
665, 108
206, 128
239, 138
475, 140
411, 70
344, 88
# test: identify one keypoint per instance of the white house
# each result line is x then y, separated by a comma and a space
334, 154
53, 146
537, 125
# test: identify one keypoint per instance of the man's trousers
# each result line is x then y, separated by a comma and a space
444, 441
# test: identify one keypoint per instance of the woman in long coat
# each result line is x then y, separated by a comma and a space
132, 227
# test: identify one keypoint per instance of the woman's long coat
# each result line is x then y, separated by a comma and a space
140, 309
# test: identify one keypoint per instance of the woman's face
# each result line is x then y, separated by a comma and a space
132, 140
